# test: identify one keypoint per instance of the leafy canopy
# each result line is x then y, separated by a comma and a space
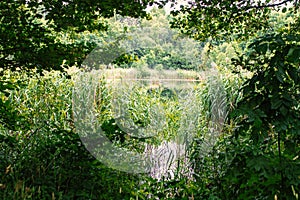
220, 18
30, 29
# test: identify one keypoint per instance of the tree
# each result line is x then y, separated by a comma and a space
265, 146
155, 44
221, 19
30, 29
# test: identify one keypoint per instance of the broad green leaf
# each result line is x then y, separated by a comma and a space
293, 55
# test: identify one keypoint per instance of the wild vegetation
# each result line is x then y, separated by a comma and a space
228, 125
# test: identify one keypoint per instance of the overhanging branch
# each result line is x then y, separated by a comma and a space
268, 5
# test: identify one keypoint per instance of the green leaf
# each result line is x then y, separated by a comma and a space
284, 10
275, 103
262, 48
293, 55
283, 110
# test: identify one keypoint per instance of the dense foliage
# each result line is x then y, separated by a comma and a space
227, 19
268, 115
30, 29
247, 91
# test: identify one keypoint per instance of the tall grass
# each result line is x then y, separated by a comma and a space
44, 158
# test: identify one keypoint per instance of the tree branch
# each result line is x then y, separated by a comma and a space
268, 5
